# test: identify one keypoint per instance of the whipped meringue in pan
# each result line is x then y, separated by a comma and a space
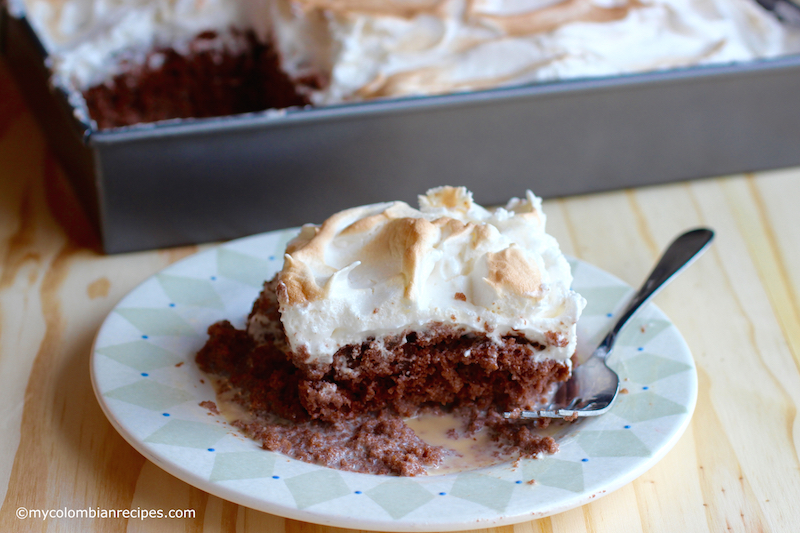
386, 98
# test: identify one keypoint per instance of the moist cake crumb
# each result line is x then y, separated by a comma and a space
375, 443
205, 81
211, 406
355, 422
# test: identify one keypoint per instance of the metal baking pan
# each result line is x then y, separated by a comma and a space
192, 181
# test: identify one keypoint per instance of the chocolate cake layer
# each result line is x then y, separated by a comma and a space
440, 365
403, 375
263, 381
357, 426
210, 80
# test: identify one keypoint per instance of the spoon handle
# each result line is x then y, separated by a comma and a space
680, 254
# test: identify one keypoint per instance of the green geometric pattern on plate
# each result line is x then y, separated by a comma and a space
641, 331
150, 395
485, 490
140, 355
316, 487
243, 268
647, 368
188, 434
646, 406
612, 443
399, 497
156, 321
190, 291
242, 465
555, 473
602, 300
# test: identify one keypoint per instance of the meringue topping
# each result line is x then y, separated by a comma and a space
388, 269
421, 47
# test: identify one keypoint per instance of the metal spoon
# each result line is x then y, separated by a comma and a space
593, 387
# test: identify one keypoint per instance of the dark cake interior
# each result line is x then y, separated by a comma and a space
349, 414
208, 81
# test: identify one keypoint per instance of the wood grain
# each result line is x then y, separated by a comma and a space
737, 468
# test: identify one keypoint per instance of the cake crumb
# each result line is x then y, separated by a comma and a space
377, 443
556, 339
461, 296
211, 406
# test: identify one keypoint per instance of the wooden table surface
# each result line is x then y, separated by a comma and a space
737, 467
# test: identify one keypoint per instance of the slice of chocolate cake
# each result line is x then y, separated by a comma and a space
386, 311
389, 305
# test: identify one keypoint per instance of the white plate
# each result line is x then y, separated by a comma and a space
146, 381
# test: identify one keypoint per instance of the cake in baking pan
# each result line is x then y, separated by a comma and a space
146, 60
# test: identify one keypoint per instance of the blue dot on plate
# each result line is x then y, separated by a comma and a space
272, 258
628, 427
358, 492
164, 414
211, 449
645, 388
213, 278
145, 374
172, 305
144, 336
609, 315
641, 348
276, 477
585, 460
442, 494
